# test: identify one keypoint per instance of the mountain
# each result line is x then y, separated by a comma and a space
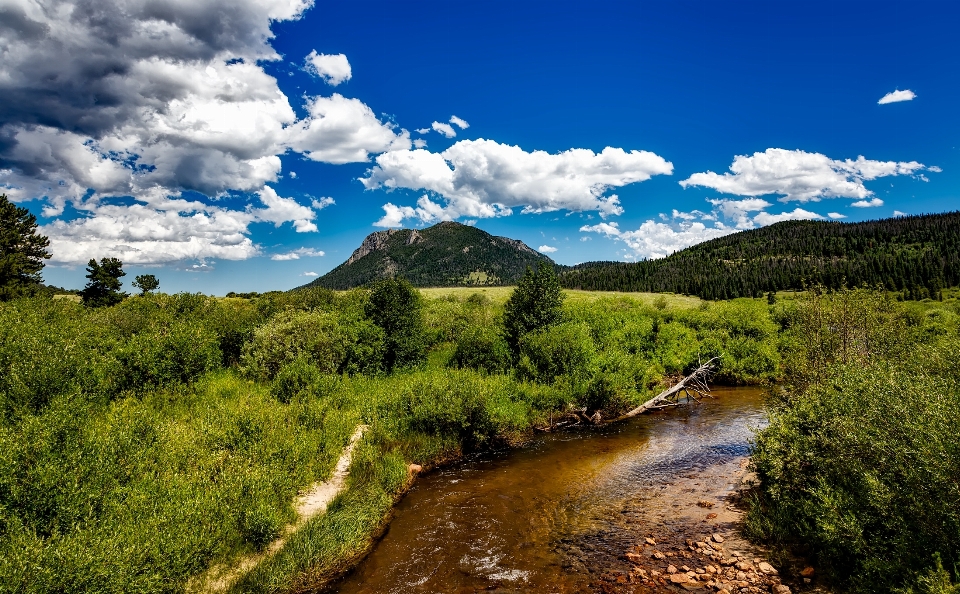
916, 255
446, 254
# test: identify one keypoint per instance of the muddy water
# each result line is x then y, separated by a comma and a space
546, 518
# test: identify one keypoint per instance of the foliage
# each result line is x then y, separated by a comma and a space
146, 283
103, 285
395, 306
330, 341
22, 251
915, 256
860, 460
482, 348
533, 305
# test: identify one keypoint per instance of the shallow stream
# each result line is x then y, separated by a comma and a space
550, 516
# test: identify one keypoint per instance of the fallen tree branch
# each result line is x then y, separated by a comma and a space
669, 396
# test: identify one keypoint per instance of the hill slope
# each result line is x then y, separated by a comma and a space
446, 254
917, 255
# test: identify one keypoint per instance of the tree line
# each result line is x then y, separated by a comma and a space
914, 256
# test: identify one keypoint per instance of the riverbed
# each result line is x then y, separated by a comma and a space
558, 514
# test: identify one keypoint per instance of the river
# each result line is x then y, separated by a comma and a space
557, 514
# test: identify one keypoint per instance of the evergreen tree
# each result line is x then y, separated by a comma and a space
534, 304
396, 307
103, 286
22, 251
146, 283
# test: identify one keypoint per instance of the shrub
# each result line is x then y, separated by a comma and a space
562, 350
167, 355
332, 343
484, 349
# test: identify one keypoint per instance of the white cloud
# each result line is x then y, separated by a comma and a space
585, 238
419, 143
445, 129
423, 130
297, 254
322, 203
293, 175
280, 210
896, 96
934, 169
309, 274
341, 130
836, 215
150, 101
798, 175
898, 213
659, 239
332, 68
459, 122
483, 178
546, 249
868, 203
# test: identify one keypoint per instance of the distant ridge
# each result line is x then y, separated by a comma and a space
447, 254
916, 255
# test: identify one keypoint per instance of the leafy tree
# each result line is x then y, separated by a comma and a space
533, 305
396, 306
103, 286
22, 250
146, 283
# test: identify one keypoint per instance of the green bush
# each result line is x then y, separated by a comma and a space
484, 349
395, 306
329, 341
534, 305
167, 355
561, 350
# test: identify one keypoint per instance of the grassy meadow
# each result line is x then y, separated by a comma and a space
143, 443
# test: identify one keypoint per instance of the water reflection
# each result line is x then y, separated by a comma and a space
525, 520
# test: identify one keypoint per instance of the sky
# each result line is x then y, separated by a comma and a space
252, 145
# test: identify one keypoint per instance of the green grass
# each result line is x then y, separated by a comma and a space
143, 443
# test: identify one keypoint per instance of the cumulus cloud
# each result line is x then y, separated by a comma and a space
898, 213
309, 274
166, 231
897, 96
800, 176
156, 101
322, 203
546, 249
445, 129
868, 203
296, 254
419, 143
483, 178
333, 69
341, 130
459, 122
654, 239
836, 215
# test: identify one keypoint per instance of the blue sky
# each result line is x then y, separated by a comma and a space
221, 159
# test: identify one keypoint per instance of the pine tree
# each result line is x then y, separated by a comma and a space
22, 251
103, 286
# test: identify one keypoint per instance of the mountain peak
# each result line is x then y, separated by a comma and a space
446, 254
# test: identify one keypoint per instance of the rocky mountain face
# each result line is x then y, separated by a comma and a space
446, 254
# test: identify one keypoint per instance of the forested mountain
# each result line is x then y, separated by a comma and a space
917, 255
446, 254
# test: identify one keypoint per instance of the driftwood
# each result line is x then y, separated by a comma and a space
694, 386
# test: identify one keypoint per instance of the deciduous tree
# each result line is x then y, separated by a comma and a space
535, 303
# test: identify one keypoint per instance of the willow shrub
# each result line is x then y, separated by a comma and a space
860, 462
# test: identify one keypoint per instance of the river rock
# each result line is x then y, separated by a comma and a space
658, 556
650, 541
671, 569
767, 568
723, 591
717, 538
679, 578
415, 468
634, 557
807, 571
744, 566
780, 589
